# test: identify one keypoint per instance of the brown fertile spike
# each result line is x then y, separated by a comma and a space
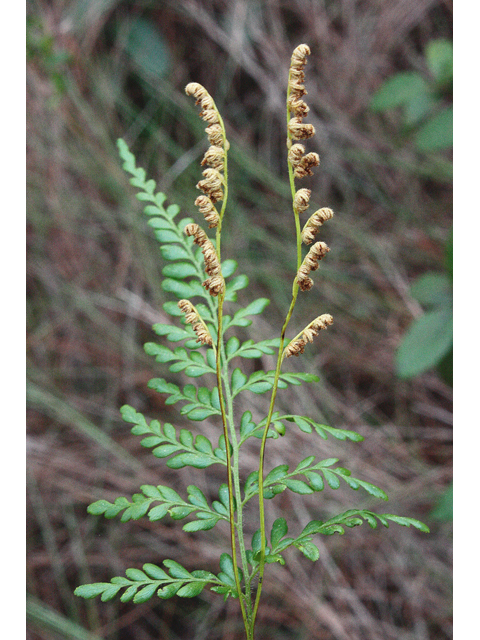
212, 185
210, 116
316, 253
294, 348
209, 212
297, 346
299, 56
301, 200
212, 264
215, 135
214, 285
305, 165
197, 91
304, 282
297, 88
310, 263
209, 112
297, 106
214, 158
193, 229
207, 102
193, 317
314, 223
295, 154
300, 131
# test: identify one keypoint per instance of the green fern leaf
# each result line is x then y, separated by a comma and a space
240, 318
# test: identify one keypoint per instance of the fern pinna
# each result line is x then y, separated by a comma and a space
199, 331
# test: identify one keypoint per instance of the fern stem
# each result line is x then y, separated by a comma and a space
229, 459
261, 498
236, 481
232, 490
295, 287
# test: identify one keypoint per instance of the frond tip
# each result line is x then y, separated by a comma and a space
296, 106
215, 158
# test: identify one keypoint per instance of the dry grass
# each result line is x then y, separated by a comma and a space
94, 287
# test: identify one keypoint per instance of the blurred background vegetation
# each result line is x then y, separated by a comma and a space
380, 92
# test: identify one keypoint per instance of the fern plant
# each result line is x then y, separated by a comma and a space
203, 350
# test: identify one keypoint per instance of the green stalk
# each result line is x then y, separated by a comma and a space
228, 456
237, 484
261, 498
218, 362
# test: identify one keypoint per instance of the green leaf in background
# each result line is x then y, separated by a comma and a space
427, 340
234, 285
169, 591
407, 89
229, 267
191, 590
154, 572
201, 525
445, 367
45, 620
309, 550
276, 474
145, 594
449, 254
406, 522
436, 133
418, 107
398, 90
254, 308
432, 289
91, 590
238, 380
179, 270
172, 309
148, 49
444, 509
439, 54
298, 486
174, 252
227, 573
176, 570
279, 530
196, 460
